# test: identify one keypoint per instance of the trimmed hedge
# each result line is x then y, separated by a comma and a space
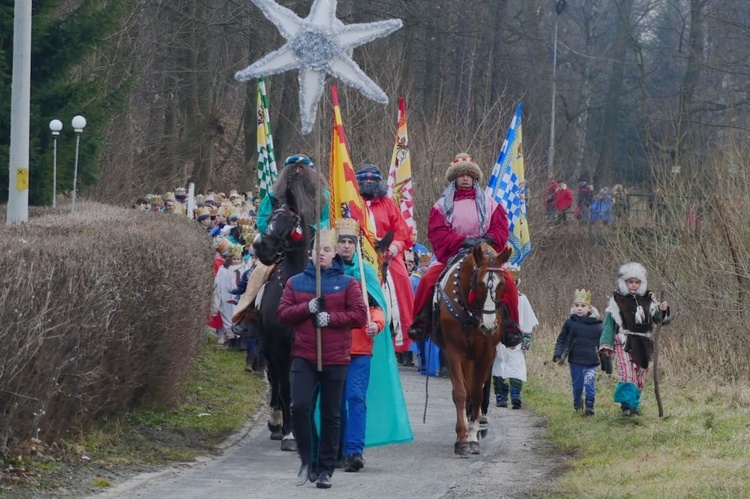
100, 312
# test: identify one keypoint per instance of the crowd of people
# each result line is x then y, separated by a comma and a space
399, 303
605, 207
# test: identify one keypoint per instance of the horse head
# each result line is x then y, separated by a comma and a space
486, 286
285, 231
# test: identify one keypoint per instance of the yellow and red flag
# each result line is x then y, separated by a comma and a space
400, 187
346, 202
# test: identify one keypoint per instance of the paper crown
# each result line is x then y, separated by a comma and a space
582, 296
222, 246
244, 220
199, 198
514, 270
326, 236
179, 209
180, 191
155, 199
225, 211
234, 213
234, 250
347, 227
425, 258
233, 194
213, 210
202, 212
169, 196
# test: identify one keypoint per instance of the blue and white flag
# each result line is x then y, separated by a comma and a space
507, 186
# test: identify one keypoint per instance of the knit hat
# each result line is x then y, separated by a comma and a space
632, 270
463, 164
582, 296
369, 171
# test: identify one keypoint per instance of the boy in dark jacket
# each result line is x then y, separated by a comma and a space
340, 309
579, 340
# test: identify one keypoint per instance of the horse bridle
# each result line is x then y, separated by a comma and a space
476, 312
283, 243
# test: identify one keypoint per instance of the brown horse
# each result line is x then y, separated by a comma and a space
472, 322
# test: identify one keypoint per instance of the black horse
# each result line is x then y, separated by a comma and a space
286, 241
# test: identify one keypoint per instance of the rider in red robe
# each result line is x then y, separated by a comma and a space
387, 217
464, 216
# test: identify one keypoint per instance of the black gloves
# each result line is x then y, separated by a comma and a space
470, 242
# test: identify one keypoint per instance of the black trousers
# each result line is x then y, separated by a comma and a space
332, 380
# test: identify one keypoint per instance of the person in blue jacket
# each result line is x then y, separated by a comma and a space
579, 342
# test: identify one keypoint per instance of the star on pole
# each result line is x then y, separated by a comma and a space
316, 46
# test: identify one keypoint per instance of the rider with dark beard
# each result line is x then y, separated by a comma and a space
387, 217
299, 178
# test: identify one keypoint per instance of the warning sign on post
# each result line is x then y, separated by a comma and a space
22, 179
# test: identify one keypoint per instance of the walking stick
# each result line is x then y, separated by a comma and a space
318, 293
657, 330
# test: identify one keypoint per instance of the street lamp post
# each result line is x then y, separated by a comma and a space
79, 123
55, 126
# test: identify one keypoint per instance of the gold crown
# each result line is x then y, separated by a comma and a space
180, 191
326, 236
204, 210
199, 198
244, 220
233, 193
235, 250
425, 258
213, 210
169, 196
225, 211
347, 227
582, 296
155, 199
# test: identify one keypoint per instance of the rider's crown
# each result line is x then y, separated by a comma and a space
582, 296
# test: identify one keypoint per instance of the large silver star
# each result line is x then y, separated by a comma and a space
318, 45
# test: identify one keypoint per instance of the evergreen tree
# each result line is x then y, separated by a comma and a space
65, 81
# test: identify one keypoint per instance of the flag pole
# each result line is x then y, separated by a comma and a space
363, 282
318, 293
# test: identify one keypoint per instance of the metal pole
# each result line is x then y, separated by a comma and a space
75, 173
18, 169
54, 173
551, 153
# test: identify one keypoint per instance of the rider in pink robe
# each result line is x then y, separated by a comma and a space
462, 216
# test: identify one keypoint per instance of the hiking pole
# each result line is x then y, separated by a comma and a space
318, 293
657, 330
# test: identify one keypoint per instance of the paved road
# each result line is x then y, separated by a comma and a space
515, 462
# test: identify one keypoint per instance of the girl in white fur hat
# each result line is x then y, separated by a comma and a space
631, 315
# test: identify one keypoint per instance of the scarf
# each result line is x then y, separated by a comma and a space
446, 202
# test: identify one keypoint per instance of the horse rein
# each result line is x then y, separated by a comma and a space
491, 289
284, 243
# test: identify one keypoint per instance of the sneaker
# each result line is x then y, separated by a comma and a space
324, 481
625, 410
356, 463
578, 407
516, 404
589, 412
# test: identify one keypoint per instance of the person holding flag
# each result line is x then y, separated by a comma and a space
373, 375
464, 216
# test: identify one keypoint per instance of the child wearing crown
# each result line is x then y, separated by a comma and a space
579, 342
631, 315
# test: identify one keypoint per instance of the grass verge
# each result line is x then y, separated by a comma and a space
218, 400
699, 449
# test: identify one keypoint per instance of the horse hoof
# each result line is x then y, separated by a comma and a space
461, 448
276, 435
289, 445
274, 428
474, 447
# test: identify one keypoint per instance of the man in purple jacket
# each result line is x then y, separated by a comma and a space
340, 308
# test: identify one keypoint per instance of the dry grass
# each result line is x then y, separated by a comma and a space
99, 316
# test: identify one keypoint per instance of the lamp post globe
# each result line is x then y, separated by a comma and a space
55, 126
79, 123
